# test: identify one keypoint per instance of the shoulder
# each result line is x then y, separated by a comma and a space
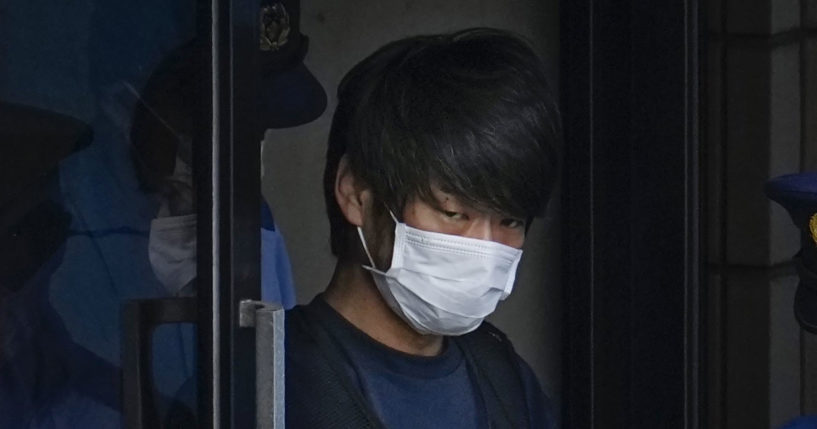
293, 319
302, 351
300, 344
315, 364
490, 342
539, 403
304, 368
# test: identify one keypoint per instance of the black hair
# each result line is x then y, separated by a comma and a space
469, 112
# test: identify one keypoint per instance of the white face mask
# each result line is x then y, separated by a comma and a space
172, 250
444, 284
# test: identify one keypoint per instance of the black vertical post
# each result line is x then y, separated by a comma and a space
229, 214
203, 163
576, 105
632, 206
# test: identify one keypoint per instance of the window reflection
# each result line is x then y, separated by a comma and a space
76, 219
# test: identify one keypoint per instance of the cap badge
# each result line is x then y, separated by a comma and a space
275, 27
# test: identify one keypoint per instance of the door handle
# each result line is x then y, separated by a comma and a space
268, 321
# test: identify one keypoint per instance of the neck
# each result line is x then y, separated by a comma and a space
353, 294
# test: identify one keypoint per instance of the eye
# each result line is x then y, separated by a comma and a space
454, 215
512, 223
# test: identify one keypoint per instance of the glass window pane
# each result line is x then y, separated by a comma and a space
97, 203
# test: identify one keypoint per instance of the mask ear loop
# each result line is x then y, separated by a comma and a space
363, 240
365, 248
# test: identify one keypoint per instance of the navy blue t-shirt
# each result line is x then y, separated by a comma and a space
408, 391
404, 390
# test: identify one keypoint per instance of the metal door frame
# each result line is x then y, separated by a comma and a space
227, 172
633, 348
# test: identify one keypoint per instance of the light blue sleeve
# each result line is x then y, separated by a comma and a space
276, 272
805, 422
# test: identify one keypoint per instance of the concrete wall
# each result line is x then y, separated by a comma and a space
341, 34
762, 122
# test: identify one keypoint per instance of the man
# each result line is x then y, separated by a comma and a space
441, 152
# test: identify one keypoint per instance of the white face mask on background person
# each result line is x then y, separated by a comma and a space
172, 255
444, 284
172, 251
172, 239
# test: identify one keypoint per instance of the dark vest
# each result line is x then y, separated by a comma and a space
337, 403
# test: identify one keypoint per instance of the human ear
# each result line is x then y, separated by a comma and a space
351, 193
